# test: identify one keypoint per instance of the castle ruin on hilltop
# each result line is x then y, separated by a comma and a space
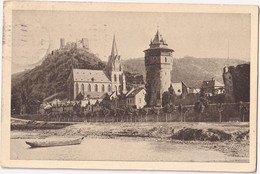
82, 43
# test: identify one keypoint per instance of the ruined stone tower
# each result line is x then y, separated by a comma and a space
158, 65
228, 81
114, 71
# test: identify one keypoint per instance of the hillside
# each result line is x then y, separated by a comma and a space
32, 86
191, 70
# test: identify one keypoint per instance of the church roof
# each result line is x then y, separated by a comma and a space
86, 75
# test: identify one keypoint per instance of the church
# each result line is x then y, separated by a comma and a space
93, 84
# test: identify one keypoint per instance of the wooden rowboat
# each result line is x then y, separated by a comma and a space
49, 142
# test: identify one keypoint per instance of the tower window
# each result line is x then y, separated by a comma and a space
96, 87
158, 95
114, 77
119, 67
165, 59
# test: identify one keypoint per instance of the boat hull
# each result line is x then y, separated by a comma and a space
54, 142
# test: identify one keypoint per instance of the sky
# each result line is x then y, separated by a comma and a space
202, 35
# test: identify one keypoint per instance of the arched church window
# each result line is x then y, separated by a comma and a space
77, 88
114, 77
109, 88
89, 87
82, 88
103, 88
96, 87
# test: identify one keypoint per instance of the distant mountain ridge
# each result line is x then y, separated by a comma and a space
190, 70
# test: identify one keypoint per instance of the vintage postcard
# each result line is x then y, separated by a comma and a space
129, 86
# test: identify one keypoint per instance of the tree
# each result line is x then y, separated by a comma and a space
168, 109
182, 110
220, 110
143, 112
199, 108
120, 113
148, 94
80, 97
243, 110
105, 112
168, 96
129, 112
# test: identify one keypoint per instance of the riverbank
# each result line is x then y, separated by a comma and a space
231, 139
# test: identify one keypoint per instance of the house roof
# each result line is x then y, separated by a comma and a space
211, 84
52, 97
96, 95
86, 75
218, 84
135, 92
177, 88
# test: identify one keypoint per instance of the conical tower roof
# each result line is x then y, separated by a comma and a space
158, 42
157, 38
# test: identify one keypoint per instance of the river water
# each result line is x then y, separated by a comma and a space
120, 149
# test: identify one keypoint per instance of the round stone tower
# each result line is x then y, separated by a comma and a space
158, 65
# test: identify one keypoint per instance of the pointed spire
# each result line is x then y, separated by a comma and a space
157, 37
114, 48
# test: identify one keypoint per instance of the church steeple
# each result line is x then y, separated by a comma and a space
114, 52
114, 70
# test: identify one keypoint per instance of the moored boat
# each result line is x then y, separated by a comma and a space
49, 142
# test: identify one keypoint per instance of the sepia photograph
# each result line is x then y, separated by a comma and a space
129, 85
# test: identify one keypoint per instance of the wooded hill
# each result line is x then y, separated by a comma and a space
32, 86
190, 70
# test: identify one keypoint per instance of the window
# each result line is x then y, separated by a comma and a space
89, 87
119, 67
103, 88
140, 100
109, 88
77, 88
115, 88
82, 88
114, 77
96, 87
165, 59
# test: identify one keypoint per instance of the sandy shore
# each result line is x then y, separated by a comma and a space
237, 145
